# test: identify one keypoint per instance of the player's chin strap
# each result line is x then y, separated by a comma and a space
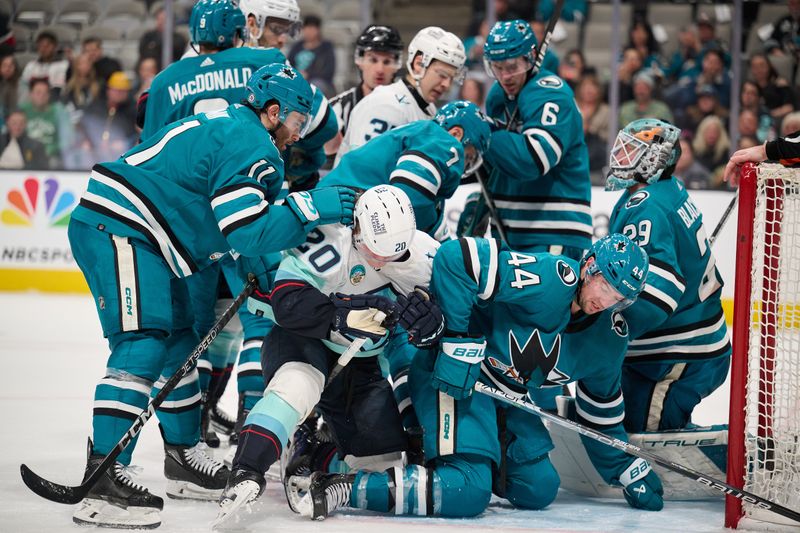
636, 451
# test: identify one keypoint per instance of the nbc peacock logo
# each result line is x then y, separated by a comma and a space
37, 200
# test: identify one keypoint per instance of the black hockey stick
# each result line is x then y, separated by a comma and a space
72, 495
636, 451
724, 218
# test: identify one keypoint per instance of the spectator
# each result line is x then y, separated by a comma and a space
750, 98
685, 57
775, 91
707, 33
48, 122
9, 84
711, 144
472, 90
151, 45
573, 68
107, 128
146, 70
47, 65
313, 56
746, 141
642, 39
748, 124
573, 10
82, 87
104, 66
595, 113
474, 47
707, 104
630, 65
17, 150
643, 104
790, 124
693, 174
786, 31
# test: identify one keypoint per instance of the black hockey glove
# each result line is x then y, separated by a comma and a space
421, 317
363, 315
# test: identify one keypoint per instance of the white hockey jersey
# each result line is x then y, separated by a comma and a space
385, 108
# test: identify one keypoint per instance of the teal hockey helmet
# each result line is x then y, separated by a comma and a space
282, 83
623, 264
475, 124
643, 152
216, 23
510, 39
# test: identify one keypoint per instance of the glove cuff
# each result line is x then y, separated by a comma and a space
302, 205
467, 350
637, 470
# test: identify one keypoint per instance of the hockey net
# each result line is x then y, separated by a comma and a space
764, 429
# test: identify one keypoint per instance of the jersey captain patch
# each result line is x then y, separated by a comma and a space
637, 199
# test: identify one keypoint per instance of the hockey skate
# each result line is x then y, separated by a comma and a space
220, 421
192, 474
310, 450
207, 432
243, 487
117, 501
320, 494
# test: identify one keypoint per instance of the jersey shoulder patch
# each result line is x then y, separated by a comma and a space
550, 82
637, 199
566, 273
618, 324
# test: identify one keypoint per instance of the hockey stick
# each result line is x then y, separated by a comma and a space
724, 218
636, 451
348, 354
72, 495
496, 220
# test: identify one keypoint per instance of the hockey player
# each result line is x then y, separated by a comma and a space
425, 158
165, 210
679, 350
336, 287
435, 60
539, 171
499, 328
378, 56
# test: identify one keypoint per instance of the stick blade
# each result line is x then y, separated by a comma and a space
51, 491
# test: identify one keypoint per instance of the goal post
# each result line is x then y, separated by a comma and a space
764, 421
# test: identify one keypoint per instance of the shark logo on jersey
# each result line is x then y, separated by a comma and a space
566, 273
618, 324
531, 357
357, 274
551, 82
637, 199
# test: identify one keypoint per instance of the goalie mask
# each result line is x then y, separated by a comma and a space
385, 224
644, 151
622, 265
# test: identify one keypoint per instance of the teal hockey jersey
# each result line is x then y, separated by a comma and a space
540, 173
203, 83
421, 158
197, 189
678, 316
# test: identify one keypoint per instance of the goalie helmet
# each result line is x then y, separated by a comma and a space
475, 124
277, 9
216, 23
643, 152
622, 263
282, 83
378, 38
509, 39
385, 220
435, 43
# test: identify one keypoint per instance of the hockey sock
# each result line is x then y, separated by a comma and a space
266, 429
180, 413
399, 490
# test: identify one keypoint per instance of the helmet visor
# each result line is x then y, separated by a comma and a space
282, 27
627, 151
508, 67
602, 293
374, 260
297, 123
473, 159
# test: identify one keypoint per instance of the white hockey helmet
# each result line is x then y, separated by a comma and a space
385, 221
435, 43
277, 9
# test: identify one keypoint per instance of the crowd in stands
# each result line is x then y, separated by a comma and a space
73, 105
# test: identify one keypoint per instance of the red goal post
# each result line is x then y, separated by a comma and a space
764, 422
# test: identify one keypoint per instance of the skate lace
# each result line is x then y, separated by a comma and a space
223, 415
123, 473
338, 495
198, 458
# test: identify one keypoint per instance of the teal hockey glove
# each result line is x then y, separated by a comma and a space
458, 365
327, 205
642, 488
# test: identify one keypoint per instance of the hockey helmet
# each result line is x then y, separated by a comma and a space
643, 151
623, 264
385, 221
475, 124
282, 83
287, 10
377, 38
509, 40
435, 43
216, 23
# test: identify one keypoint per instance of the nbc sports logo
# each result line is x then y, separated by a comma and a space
38, 202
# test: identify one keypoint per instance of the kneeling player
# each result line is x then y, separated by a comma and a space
517, 307
329, 291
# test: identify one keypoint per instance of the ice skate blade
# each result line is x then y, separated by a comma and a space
185, 490
298, 497
244, 493
92, 512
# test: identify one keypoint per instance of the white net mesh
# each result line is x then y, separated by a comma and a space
772, 423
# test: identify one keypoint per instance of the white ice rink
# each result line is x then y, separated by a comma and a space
52, 353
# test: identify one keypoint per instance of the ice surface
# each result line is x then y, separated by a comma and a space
52, 353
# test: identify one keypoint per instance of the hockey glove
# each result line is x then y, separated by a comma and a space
458, 365
641, 487
421, 317
474, 218
327, 205
363, 315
